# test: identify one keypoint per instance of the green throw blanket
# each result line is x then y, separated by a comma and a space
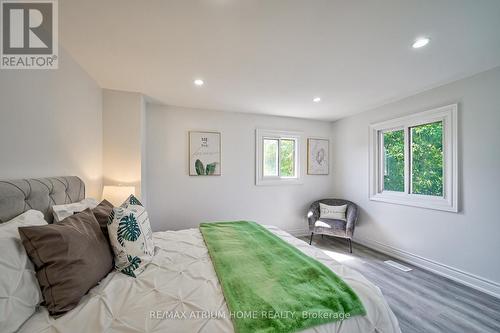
271, 286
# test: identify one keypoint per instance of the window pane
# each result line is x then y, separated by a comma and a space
270, 157
394, 161
427, 159
287, 158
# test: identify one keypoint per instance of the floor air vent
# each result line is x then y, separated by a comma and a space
397, 265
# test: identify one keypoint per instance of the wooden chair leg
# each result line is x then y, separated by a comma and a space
310, 241
350, 245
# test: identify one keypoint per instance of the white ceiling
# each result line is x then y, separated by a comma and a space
274, 56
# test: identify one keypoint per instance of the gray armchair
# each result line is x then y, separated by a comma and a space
336, 228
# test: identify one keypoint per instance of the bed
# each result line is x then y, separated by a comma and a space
179, 291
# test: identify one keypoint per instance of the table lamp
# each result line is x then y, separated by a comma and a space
117, 194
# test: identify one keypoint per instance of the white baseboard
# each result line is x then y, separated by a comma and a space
299, 232
468, 279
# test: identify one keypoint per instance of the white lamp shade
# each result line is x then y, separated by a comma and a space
117, 194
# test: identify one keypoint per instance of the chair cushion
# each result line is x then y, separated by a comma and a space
332, 212
332, 227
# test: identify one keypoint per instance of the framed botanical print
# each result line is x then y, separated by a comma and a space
318, 156
204, 153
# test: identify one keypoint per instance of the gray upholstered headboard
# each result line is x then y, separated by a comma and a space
18, 196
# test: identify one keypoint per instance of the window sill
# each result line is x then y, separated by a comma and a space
415, 200
278, 182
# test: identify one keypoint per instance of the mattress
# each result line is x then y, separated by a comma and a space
179, 292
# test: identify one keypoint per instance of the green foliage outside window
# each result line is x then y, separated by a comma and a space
394, 161
426, 159
287, 158
270, 157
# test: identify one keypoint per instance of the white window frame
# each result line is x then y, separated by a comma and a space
260, 179
449, 201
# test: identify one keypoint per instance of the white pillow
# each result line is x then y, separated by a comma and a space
131, 237
61, 212
332, 212
19, 290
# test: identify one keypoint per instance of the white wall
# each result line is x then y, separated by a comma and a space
177, 200
467, 242
123, 137
51, 124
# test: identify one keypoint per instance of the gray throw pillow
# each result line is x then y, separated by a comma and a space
102, 213
70, 258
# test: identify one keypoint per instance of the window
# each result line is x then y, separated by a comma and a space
413, 160
394, 162
277, 157
427, 159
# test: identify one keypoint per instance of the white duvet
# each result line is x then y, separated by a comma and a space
179, 292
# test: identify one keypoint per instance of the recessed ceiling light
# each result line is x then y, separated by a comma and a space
420, 42
316, 99
199, 82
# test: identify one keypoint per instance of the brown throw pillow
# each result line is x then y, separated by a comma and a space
101, 213
70, 258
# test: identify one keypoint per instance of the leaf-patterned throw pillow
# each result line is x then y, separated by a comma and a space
131, 237
131, 200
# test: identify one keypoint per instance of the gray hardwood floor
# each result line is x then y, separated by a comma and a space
422, 301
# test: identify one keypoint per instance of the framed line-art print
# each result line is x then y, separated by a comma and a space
204, 153
318, 156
